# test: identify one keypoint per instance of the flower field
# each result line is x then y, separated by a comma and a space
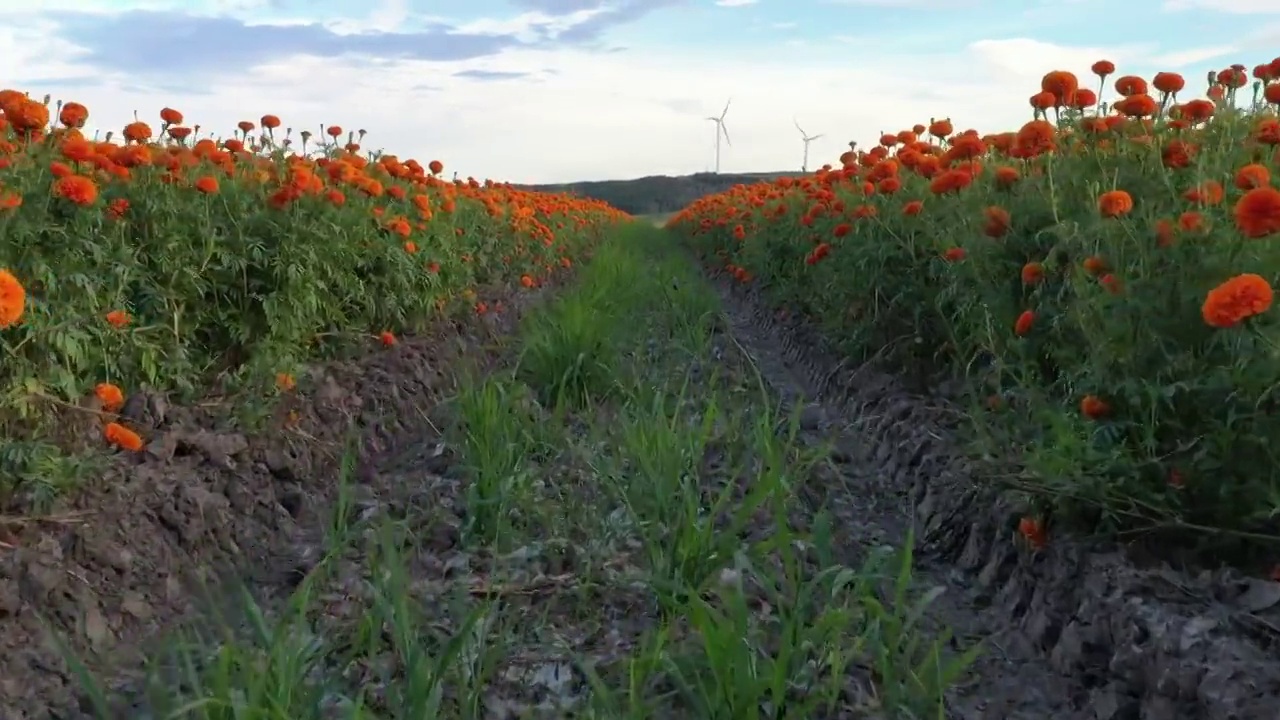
161, 259
1102, 276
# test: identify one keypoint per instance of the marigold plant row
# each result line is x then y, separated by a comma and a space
166, 260
1103, 276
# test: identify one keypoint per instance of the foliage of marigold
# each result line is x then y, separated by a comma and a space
142, 279
1095, 240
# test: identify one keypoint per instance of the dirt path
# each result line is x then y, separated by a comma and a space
1072, 631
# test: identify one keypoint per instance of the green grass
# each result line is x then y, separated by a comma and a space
632, 546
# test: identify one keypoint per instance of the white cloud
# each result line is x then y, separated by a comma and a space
735, 3
597, 115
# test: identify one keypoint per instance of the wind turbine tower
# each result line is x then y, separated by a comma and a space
721, 132
804, 166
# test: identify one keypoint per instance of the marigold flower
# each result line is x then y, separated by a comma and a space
1115, 203
387, 337
1094, 407
170, 116
1241, 297
1252, 176
997, 222
1061, 84
73, 115
138, 132
285, 381
1168, 82
122, 437
13, 299
118, 318
112, 396
1032, 273
1103, 68
1257, 212
954, 254
207, 184
1128, 85
1033, 532
77, 188
27, 115
1024, 323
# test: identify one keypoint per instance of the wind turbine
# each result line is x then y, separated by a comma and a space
721, 131
804, 166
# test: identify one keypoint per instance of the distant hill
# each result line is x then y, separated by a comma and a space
660, 193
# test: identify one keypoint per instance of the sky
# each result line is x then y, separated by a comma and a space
535, 91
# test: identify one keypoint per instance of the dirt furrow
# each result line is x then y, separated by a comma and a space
1074, 630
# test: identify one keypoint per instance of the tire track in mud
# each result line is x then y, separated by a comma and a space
1074, 631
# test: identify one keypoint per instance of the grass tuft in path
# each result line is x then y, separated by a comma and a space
631, 544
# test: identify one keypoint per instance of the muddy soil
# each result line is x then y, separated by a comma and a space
1073, 631
206, 512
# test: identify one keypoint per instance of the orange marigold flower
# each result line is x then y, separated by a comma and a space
118, 318
1032, 273
138, 132
1257, 212
914, 207
1241, 297
997, 222
285, 381
1024, 323
1252, 176
1061, 84
122, 437
73, 115
1103, 68
1032, 530
26, 115
333, 130
954, 254
9, 200
207, 184
1168, 82
950, 181
1164, 233
436, 167
117, 208
269, 122
76, 188
1094, 407
112, 396
1115, 203
1128, 85
527, 281
170, 116
387, 337
13, 299
1006, 176
1209, 192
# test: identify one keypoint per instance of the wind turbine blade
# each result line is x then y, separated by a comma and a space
725, 130
802, 132
726, 108
815, 137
